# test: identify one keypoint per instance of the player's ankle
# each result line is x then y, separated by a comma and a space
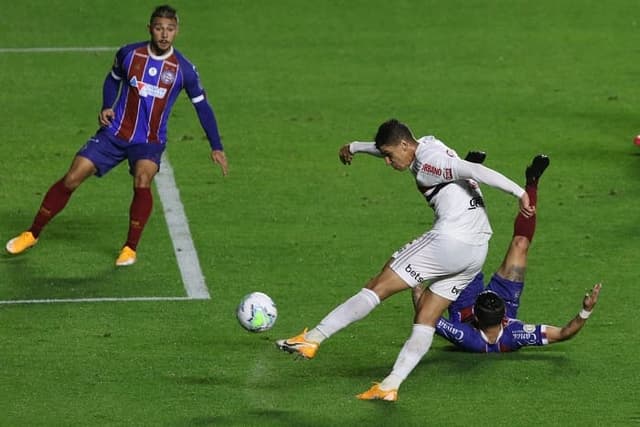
314, 335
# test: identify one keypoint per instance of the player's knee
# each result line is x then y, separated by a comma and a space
378, 288
72, 180
521, 244
142, 180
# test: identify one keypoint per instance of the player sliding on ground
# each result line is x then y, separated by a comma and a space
447, 257
484, 320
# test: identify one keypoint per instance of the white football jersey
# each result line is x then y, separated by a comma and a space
457, 201
450, 186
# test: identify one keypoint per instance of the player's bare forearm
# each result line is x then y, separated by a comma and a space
574, 326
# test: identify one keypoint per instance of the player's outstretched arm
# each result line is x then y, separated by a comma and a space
347, 151
485, 175
556, 334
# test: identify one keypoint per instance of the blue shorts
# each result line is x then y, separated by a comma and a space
461, 310
509, 291
106, 151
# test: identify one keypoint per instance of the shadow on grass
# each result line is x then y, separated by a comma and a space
278, 417
79, 233
450, 359
32, 278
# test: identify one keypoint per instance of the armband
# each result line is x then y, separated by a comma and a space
584, 314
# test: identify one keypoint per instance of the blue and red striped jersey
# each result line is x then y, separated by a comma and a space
149, 87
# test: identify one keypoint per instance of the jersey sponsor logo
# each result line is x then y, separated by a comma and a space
476, 202
431, 170
414, 274
525, 337
167, 77
529, 328
454, 333
146, 89
447, 173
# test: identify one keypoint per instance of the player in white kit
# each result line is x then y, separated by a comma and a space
447, 257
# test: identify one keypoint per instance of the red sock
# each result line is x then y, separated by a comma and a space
54, 201
139, 213
527, 226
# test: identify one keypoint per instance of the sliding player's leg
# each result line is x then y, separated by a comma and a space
508, 281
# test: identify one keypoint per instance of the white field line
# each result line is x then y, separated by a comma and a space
57, 49
186, 254
192, 277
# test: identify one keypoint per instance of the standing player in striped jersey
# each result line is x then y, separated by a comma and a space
148, 76
447, 257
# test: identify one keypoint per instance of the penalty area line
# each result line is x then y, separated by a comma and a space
178, 226
68, 300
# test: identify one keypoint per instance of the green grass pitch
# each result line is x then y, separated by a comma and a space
290, 82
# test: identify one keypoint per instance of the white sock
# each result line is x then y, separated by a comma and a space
412, 352
352, 310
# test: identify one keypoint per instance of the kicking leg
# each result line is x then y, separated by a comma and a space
385, 284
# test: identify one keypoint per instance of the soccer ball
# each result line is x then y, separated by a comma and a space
257, 312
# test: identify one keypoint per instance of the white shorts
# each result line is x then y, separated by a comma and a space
446, 264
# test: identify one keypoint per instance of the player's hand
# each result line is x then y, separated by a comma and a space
221, 159
345, 154
591, 298
106, 117
525, 207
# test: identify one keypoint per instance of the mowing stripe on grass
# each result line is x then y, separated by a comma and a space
186, 254
56, 49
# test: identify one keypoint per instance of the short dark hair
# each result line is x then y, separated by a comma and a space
489, 309
164, 11
392, 132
